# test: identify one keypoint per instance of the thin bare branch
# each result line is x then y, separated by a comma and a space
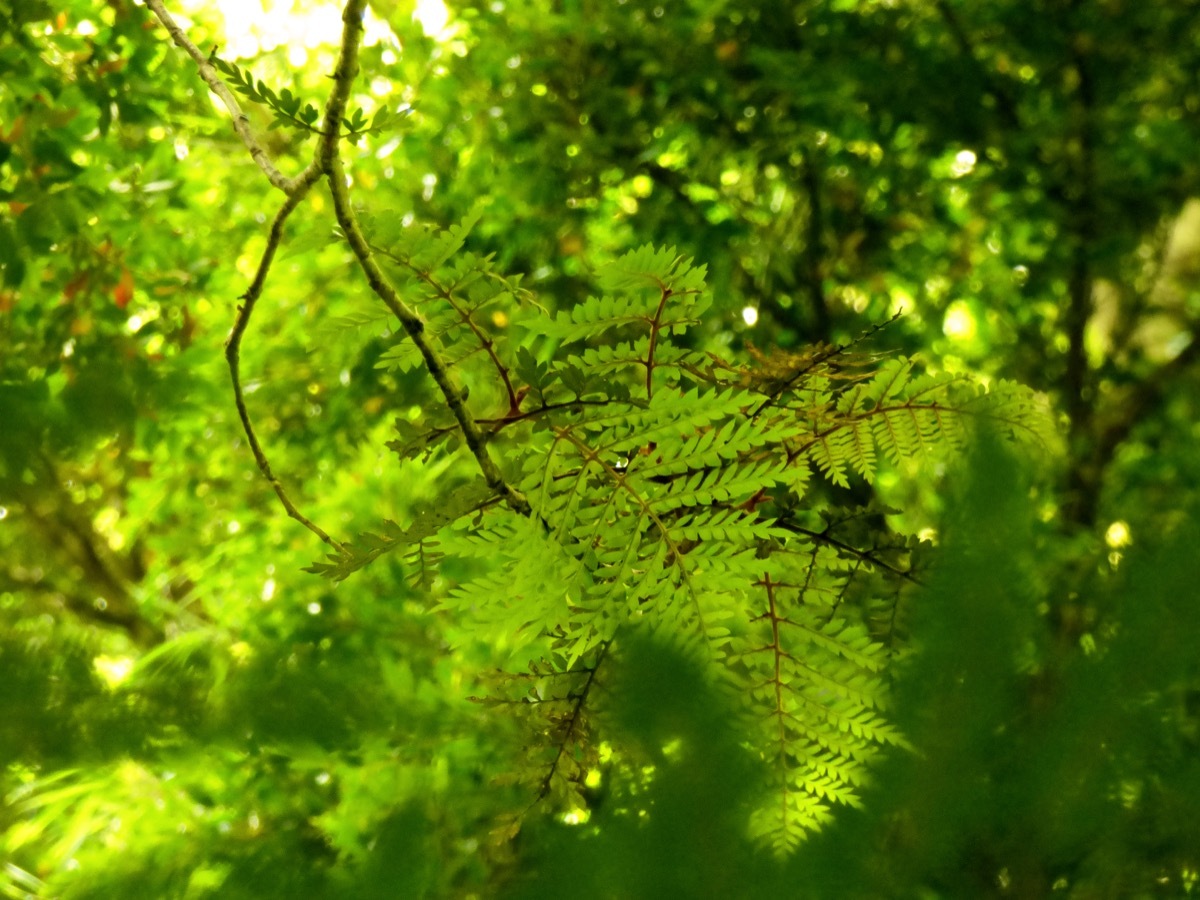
819, 359
295, 190
234, 344
814, 249
867, 556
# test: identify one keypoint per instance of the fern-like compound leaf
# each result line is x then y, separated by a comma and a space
672, 490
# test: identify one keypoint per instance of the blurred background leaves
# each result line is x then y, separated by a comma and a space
184, 712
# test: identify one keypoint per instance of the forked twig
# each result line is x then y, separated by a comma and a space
294, 189
241, 123
327, 161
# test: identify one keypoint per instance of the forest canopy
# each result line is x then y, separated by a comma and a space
547, 448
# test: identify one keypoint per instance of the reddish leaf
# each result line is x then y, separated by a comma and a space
123, 292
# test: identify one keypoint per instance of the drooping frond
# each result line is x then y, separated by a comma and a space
555, 706
815, 688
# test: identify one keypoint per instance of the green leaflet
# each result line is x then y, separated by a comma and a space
651, 290
467, 306
896, 417
650, 267
368, 547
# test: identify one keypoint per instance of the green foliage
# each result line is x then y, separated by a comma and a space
761, 633
351, 557
661, 493
286, 106
1036, 750
1042, 766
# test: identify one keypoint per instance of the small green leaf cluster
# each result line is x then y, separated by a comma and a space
291, 111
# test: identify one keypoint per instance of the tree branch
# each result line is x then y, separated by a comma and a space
241, 123
295, 190
233, 346
79, 546
485, 340
1083, 481
1004, 103
331, 163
